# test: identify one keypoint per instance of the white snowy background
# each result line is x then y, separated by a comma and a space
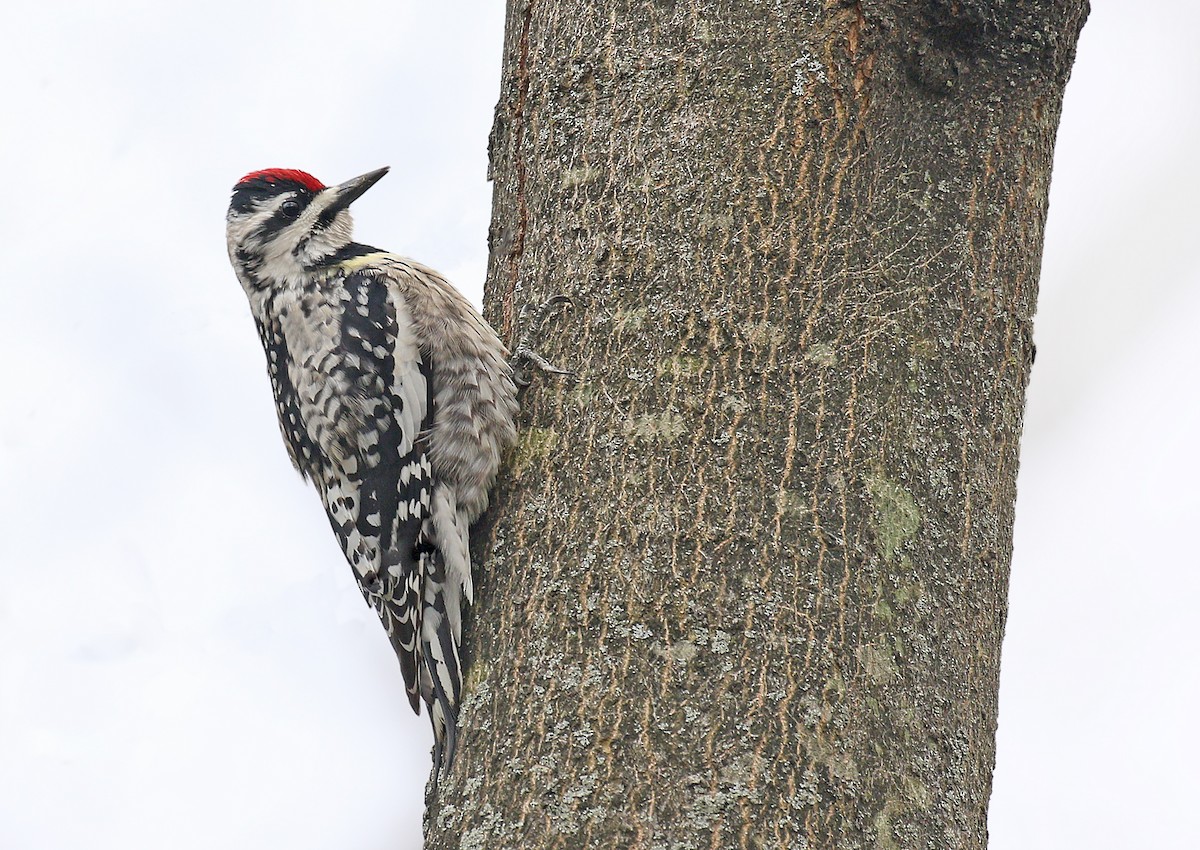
184, 660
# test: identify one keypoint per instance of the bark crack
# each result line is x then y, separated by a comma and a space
517, 248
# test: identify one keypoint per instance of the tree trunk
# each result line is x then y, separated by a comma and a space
744, 581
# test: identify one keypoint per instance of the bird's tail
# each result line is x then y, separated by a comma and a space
441, 666
399, 608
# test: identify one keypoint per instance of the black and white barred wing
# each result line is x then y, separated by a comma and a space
371, 410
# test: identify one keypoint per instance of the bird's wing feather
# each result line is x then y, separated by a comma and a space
371, 410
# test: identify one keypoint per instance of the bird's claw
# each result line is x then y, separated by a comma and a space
525, 360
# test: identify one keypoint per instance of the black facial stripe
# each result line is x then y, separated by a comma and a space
326, 217
280, 219
247, 195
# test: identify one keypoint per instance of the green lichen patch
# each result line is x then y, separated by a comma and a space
476, 676
656, 428
877, 662
922, 349
907, 593
733, 404
533, 446
583, 395
629, 321
821, 353
583, 175
682, 366
709, 223
764, 335
680, 652
916, 792
793, 503
882, 608
896, 517
882, 822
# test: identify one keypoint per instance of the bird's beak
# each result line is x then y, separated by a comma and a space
345, 194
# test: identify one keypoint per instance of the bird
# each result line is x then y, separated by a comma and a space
394, 398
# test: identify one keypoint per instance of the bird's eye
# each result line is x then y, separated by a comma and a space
290, 208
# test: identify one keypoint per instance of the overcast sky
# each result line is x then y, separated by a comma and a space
184, 659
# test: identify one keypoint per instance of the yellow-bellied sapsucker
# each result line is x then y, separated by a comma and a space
394, 398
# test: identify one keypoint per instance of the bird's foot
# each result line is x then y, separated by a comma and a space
525, 360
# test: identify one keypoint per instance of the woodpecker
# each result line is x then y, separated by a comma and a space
395, 399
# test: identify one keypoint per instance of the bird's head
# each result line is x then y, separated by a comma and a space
282, 222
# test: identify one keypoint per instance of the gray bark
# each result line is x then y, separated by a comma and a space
744, 581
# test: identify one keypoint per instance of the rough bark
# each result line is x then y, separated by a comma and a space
744, 583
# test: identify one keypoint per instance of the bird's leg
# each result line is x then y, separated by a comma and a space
525, 359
